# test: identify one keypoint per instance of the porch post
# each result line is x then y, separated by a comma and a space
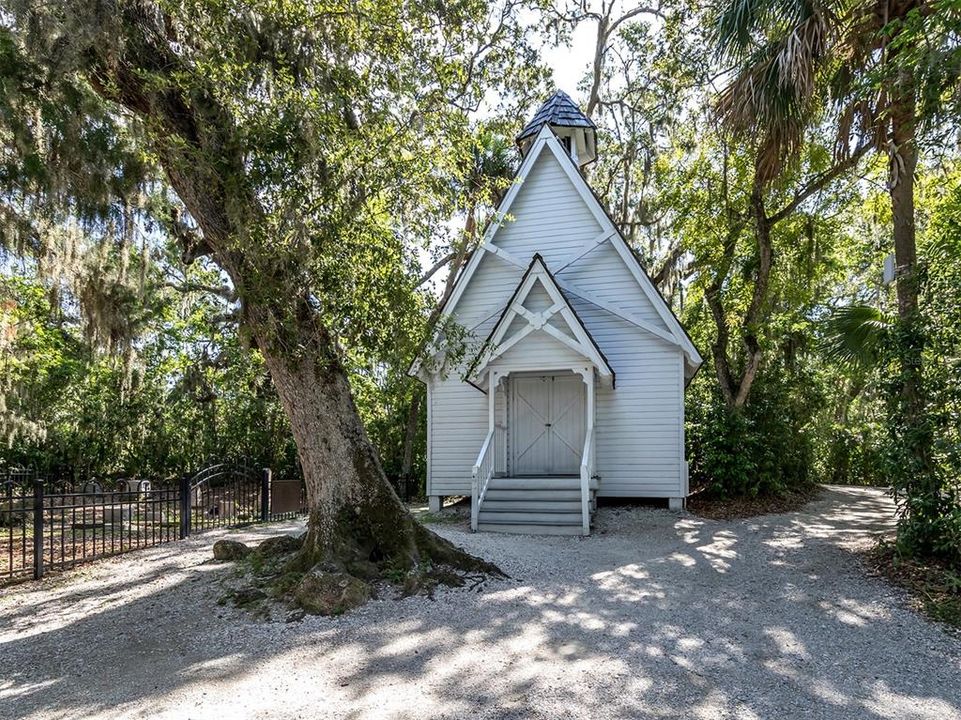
589, 380
587, 456
590, 417
492, 380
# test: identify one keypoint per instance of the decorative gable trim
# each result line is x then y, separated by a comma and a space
579, 340
625, 252
675, 334
610, 307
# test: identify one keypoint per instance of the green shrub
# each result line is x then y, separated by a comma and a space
925, 450
762, 448
854, 455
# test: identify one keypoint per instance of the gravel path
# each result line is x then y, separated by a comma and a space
658, 615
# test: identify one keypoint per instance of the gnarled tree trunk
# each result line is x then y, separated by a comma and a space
356, 517
357, 524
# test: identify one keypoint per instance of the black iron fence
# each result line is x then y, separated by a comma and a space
43, 529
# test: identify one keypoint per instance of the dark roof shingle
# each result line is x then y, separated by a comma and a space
558, 110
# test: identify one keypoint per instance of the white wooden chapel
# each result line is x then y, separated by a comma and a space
575, 385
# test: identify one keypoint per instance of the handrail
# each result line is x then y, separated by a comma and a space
477, 493
587, 469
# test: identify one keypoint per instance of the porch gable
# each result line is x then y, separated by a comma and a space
539, 309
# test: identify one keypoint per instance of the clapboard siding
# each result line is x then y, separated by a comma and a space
639, 423
547, 217
537, 299
603, 274
458, 428
538, 351
625, 339
490, 287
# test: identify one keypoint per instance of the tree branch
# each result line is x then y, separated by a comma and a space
435, 268
818, 182
640, 10
186, 287
670, 262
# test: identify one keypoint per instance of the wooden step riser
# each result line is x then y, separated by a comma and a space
544, 484
566, 506
533, 495
530, 518
522, 529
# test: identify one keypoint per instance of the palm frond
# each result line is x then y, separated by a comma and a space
771, 97
854, 335
743, 26
737, 25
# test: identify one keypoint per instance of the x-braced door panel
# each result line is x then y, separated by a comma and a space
547, 424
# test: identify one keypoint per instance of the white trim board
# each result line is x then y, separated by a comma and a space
547, 139
581, 342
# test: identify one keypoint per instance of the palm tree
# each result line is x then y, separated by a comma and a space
855, 62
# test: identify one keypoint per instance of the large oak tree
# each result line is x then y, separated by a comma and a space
301, 146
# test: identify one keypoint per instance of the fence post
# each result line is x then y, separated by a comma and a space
265, 495
184, 506
37, 529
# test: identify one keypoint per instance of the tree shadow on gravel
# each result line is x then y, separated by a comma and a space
664, 616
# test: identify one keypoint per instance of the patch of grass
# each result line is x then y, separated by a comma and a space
934, 587
256, 563
395, 575
743, 507
439, 518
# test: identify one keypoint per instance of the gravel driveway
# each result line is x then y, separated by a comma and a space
657, 615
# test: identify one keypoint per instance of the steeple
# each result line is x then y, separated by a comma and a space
573, 127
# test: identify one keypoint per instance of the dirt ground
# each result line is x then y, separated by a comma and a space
657, 615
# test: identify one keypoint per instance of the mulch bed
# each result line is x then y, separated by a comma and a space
933, 587
743, 507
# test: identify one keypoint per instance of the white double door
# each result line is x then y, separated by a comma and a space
547, 424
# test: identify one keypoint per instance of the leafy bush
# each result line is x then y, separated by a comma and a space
763, 448
925, 452
854, 455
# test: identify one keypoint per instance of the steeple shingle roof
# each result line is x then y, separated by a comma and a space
558, 110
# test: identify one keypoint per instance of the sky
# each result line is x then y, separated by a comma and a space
569, 64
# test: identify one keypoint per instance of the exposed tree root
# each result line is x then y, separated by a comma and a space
290, 572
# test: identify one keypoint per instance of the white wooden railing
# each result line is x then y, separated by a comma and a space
587, 472
480, 477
